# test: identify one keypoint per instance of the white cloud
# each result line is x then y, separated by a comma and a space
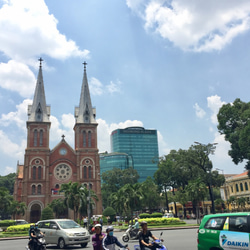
114, 86
221, 159
95, 86
28, 29
16, 76
199, 111
9, 170
163, 148
214, 103
17, 117
195, 25
13, 150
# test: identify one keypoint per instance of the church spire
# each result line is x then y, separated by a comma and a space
38, 111
85, 113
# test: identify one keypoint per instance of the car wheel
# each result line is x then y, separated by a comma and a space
61, 243
84, 245
125, 238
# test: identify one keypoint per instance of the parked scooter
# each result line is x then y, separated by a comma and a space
40, 243
130, 234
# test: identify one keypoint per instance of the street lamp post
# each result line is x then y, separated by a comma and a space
208, 149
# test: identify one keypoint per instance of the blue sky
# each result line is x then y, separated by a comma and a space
161, 64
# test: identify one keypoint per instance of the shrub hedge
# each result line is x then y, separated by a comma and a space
20, 228
7, 223
153, 215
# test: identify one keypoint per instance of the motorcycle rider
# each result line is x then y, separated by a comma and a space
110, 240
98, 237
144, 237
135, 227
33, 233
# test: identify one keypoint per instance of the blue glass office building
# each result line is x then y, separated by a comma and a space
141, 144
115, 160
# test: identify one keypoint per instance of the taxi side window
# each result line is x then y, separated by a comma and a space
215, 223
238, 224
52, 224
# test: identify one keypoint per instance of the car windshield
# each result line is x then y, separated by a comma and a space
68, 224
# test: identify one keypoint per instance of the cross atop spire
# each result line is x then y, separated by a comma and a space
84, 65
40, 59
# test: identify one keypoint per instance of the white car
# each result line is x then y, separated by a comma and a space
63, 232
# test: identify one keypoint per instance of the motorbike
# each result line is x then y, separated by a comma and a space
130, 234
157, 243
40, 243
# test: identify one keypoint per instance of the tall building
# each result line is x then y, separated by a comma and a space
115, 160
141, 144
44, 170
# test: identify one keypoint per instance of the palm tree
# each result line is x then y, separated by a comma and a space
17, 208
133, 197
58, 206
76, 197
73, 196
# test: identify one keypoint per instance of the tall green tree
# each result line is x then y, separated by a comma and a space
59, 207
8, 181
114, 179
17, 208
151, 197
234, 123
5, 203
76, 197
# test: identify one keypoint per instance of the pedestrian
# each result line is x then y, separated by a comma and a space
85, 222
144, 237
101, 221
110, 240
98, 237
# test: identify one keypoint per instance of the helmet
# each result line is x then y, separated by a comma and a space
98, 225
136, 219
109, 228
36, 225
143, 223
32, 225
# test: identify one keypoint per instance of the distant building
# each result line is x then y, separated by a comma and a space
115, 160
141, 144
236, 186
44, 170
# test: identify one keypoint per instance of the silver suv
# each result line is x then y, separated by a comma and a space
63, 232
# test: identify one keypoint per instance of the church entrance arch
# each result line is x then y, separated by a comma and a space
35, 209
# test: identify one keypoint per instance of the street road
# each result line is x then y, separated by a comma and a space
173, 239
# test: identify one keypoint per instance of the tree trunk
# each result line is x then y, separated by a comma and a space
166, 197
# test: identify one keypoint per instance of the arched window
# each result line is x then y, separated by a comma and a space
241, 187
246, 186
89, 139
57, 186
39, 189
232, 189
35, 138
90, 173
85, 172
84, 139
237, 188
33, 189
41, 138
90, 186
34, 173
39, 173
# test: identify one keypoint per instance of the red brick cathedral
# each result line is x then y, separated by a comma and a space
44, 170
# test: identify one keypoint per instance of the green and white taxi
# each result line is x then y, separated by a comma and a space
224, 231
